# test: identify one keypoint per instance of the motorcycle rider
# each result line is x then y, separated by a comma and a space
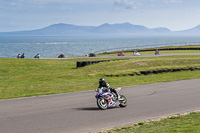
103, 83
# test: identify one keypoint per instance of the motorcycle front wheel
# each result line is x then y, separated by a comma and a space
123, 102
102, 103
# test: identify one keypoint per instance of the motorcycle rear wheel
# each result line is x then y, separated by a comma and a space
123, 103
102, 103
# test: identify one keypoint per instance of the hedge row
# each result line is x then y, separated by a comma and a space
86, 63
157, 71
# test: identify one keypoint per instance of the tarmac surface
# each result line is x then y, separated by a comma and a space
142, 55
77, 112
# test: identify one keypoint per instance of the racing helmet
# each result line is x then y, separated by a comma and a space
102, 81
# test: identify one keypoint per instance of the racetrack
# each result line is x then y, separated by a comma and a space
143, 55
78, 112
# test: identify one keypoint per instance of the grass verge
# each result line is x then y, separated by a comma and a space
175, 124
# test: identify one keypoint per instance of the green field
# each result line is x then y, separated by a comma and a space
32, 77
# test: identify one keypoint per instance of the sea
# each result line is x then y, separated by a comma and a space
53, 46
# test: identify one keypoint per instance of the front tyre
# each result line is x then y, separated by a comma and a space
102, 103
123, 102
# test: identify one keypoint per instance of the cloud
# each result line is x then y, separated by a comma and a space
173, 1
165, 1
134, 4
56, 1
126, 4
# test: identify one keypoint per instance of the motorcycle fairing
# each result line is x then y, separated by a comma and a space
107, 96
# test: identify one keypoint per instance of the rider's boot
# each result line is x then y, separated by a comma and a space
118, 97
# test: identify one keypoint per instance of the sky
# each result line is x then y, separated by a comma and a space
17, 15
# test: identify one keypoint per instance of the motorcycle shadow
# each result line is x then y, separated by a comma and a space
93, 109
88, 108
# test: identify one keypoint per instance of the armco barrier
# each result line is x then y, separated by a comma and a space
161, 49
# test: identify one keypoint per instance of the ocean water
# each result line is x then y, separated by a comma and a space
79, 46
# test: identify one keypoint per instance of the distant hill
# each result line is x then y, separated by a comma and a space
104, 29
192, 31
121, 29
53, 30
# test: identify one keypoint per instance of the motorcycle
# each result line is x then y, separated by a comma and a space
109, 99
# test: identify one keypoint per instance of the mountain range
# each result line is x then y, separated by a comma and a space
104, 29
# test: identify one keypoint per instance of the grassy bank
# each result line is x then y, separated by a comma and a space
31, 77
175, 124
